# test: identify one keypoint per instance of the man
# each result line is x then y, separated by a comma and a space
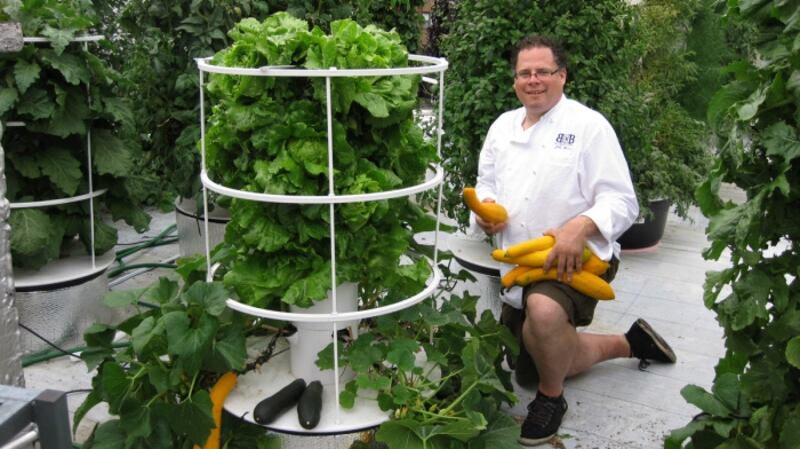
558, 168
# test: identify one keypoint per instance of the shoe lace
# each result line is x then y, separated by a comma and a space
541, 411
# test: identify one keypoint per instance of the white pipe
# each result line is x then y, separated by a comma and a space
23, 440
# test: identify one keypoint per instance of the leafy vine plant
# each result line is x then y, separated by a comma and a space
755, 399
59, 91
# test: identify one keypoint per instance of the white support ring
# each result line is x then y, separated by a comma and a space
434, 65
59, 201
323, 199
84, 38
338, 317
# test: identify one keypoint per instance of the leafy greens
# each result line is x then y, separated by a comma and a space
269, 135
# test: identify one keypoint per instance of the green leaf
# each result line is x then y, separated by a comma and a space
212, 296
781, 140
25, 74
122, 298
305, 291
37, 104
59, 37
92, 399
115, 385
231, 349
374, 103
25, 163
158, 376
71, 66
402, 353
704, 401
162, 292
64, 122
137, 421
790, 433
192, 417
399, 434
726, 389
119, 109
110, 154
105, 236
502, 432
793, 352
8, 97
131, 213
749, 108
187, 338
62, 168
110, 435
145, 333
31, 229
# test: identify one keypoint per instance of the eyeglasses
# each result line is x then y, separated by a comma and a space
539, 74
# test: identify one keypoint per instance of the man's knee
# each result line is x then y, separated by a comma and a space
542, 313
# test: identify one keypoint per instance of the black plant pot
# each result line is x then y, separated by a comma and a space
649, 232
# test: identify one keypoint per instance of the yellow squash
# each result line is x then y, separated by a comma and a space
529, 246
534, 259
508, 280
218, 393
491, 212
583, 281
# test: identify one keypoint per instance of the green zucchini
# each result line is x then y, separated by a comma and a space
272, 407
310, 405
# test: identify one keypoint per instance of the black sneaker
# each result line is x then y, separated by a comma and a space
646, 344
543, 420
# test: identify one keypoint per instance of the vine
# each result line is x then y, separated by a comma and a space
755, 398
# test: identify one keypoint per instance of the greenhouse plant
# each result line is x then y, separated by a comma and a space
60, 92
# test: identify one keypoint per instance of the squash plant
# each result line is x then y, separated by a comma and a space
269, 135
451, 396
754, 401
157, 388
60, 91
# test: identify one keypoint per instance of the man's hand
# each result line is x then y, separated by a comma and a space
567, 253
489, 228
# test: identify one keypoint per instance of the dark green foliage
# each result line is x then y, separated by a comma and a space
64, 94
755, 399
618, 59
710, 51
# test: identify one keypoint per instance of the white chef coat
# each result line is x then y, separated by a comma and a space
567, 164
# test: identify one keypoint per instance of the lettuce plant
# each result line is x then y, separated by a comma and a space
269, 135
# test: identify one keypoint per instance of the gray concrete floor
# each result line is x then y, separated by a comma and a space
614, 405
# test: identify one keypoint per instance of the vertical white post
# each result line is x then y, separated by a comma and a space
439, 132
331, 209
209, 277
89, 170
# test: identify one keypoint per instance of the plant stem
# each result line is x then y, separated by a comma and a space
460, 398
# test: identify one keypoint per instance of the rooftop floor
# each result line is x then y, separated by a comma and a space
614, 405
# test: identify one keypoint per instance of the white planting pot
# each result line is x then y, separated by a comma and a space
311, 338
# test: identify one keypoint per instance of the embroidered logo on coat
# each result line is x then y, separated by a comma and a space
564, 140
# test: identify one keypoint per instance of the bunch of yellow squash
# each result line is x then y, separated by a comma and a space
529, 256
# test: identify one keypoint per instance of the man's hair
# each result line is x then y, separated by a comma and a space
537, 41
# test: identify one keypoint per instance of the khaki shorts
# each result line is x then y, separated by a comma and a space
579, 307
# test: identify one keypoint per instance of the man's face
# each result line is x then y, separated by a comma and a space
538, 81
